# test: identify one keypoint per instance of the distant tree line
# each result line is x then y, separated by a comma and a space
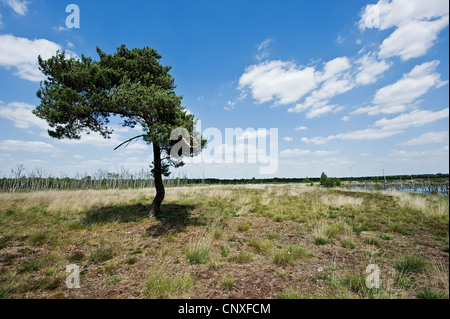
21, 180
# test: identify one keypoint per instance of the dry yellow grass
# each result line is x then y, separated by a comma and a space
431, 206
439, 275
73, 201
321, 230
340, 200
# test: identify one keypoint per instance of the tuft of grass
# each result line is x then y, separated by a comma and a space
52, 258
279, 218
338, 229
38, 239
102, 255
241, 258
76, 257
261, 246
427, 293
243, 227
110, 268
6, 290
273, 235
216, 264
411, 264
403, 282
289, 254
385, 237
445, 249
348, 244
288, 293
218, 234
357, 228
397, 228
197, 252
372, 241
33, 265
325, 233
163, 283
5, 242
10, 212
356, 282
224, 251
227, 282
320, 241
370, 254
78, 226
8, 284
438, 210
49, 272
131, 261
198, 255
170, 238
321, 231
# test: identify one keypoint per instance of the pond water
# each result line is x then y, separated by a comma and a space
441, 189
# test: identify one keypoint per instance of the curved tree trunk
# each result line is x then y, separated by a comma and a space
159, 185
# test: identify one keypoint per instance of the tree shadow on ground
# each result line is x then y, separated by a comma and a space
122, 214
172, 218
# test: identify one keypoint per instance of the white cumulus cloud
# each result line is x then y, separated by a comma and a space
412, 40
20, 114
397, 97
386, 14
21, 54
281, 81
370, 69
19, 6
417, 24
27, 146
428, 138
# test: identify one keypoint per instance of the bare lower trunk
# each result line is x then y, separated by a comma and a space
159, 185
155, 209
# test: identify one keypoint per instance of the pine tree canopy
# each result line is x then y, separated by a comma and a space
82, 95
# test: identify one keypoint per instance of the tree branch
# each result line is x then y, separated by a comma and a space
188, 143
129, 141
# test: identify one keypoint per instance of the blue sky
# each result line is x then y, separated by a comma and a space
353, 87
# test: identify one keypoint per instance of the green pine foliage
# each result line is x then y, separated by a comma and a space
82, 95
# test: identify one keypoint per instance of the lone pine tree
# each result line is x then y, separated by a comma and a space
82, 95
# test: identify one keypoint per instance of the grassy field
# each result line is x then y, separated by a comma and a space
250, 241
